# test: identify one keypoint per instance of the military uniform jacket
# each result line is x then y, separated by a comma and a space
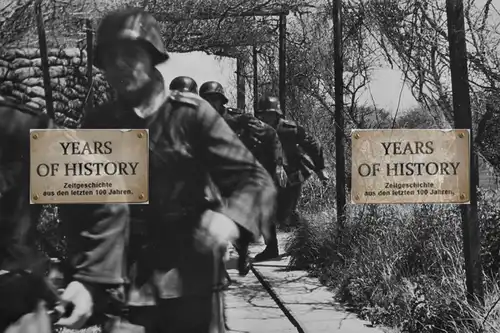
96, 234
190, 143
303, 153
260, 138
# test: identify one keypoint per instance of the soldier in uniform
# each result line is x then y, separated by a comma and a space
189, 143
263, 141
296, 144
184, 84
260, 138
96, 236
213, 93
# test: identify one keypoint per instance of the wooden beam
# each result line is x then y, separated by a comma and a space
463, 120
339, 115
90, 63
214, 48
173, 17
42, 42
282, 63
255, 78
240, 79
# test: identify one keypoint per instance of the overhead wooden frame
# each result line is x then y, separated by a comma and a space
280, 11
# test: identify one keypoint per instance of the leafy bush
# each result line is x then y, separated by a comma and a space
403, 266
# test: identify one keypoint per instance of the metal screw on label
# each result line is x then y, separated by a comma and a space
462, 196
356, 136
461, 135
141, 196
35, 136
36, 197
140, 135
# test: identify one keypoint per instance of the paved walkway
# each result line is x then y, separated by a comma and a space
251, 309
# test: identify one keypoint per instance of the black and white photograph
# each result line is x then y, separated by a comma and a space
250, 166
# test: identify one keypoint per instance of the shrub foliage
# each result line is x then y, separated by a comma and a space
403, 266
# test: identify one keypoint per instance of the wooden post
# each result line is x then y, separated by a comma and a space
282, 64
255, 79
90, 62
463, 120
339, 116
240, 79
45, 60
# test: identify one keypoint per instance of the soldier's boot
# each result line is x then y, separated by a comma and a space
270, 252
243, 264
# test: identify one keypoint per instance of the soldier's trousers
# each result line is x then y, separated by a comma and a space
286, 210
200, 314
287, 201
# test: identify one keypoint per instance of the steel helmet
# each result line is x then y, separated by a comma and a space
130, 24
213, 88
269, 104
185, 84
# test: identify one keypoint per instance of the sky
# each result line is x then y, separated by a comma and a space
384, 89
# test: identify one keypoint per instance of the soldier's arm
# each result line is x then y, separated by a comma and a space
96, 237
246, 187
312, 148
278, 152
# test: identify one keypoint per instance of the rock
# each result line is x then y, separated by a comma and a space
5, 63
21, 87
53, 52
71, 93
59, 97
57, 71
3, 72
71, 52
74, 104
21, 62
59, 106
33, 81
23, 98
26, 72
81, 89
31, 53
21, 76
20, 53
60, 81
82, 70
70, 123
53, 61
36, 91
39, 101
63, 62
9, 85
7, 54
33, 105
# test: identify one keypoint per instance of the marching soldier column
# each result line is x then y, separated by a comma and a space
190, 143
303, 154
214, 173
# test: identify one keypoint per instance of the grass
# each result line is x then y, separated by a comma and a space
402, 266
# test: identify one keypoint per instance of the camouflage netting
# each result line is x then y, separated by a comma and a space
182, 23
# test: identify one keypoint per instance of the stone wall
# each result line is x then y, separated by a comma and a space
21, 77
